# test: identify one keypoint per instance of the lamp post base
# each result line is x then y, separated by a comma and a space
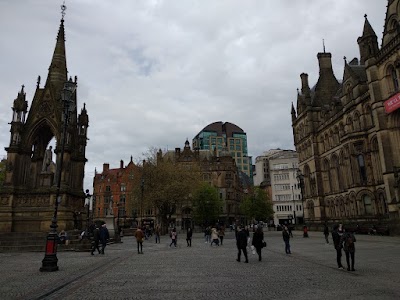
50, 260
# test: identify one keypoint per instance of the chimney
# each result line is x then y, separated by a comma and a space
325, 62
106, 167
121, 165
304, 83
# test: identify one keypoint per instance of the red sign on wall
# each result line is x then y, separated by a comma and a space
393, 103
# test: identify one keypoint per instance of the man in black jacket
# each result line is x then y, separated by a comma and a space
95, 241
336, 237
241, 243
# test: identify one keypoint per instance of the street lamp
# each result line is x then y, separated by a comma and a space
49, 263
294, 207
88, 204
300, 179
141, 204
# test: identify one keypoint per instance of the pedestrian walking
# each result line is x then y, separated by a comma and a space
207, 234
214, 237
189, 234
347, 240
258, 241
139, 235
286, 238
173, 236
241, 243
104, 237
326, 233
157, 234
95, 240
221, 234
305, 231
336, 237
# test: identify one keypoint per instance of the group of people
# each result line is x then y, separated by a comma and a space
243, 240
100, 235
343, 239
214, 235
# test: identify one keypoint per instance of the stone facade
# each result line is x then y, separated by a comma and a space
28, 194
348, 144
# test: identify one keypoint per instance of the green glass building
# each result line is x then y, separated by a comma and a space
219, 136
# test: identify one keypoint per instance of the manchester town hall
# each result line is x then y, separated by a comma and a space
347, 133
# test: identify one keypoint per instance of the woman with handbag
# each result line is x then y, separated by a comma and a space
258, 241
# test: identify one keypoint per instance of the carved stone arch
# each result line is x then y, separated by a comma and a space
342, 208
341, 129
331, 140
377, 173
356, 121
336, 135
366, 200
335, 171
391, 79
349, 125
368, 117
327, 144
381, 202
326, 176
353, 204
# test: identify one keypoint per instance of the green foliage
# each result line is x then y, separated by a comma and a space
167, 185
256, 206
206, 205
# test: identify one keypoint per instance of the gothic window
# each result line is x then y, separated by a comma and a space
376, 161
361, 168
326, 177
349, 125
393, 81
369, 121
356, 121
310, 208
341, 129
336, 135
367, 202
382, 205
327, 145
335, 174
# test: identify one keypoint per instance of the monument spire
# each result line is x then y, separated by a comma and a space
58, 73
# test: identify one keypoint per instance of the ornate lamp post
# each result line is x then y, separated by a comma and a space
300, 179
49, 263
141, 203
88, 204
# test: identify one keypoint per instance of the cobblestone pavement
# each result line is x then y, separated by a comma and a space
204, 272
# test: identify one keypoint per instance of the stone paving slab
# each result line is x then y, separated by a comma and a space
204, 272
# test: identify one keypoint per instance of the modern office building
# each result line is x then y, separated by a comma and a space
217, 136
347, 132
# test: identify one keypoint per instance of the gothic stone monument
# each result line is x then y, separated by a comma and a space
27, 200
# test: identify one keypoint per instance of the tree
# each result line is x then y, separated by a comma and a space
206, 205
166, 185
256, 206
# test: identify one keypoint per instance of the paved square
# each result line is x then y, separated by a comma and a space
204, 272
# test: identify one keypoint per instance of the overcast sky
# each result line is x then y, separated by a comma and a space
153, 73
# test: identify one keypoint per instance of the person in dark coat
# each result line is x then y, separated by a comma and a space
286, 238
347, 240
336, 237
104, 236
189, 234
258, 239
241, 243
95, 240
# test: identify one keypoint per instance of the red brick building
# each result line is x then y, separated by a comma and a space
115, 189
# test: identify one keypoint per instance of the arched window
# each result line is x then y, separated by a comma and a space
367, 202
362, 168
393, 81
376, 161
356, 121
349, 125
326, 177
